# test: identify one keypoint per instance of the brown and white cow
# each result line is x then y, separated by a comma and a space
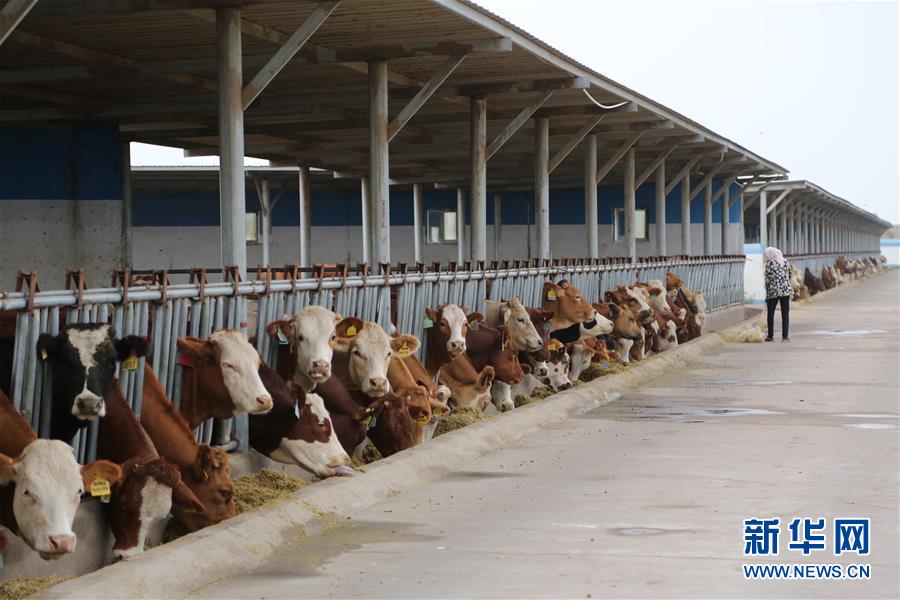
537, 360
82, 360
566, 303
149, 485
203, 469
41, 485
416, 396
468, 387
445, 335
220, 377
309, 335
298, 430
495, 347
362, 353
511, 314
438, 395
626, 330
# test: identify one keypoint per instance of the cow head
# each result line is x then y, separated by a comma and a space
49, 484
469, 393
449, 326
311, 442
393, 426
598, 325
520, 326
566, 302
310, 335
209, 478
368, 351
558, 367
659, 302
580, 357
673, 281
624, 323
634, 298
83, 362
227, 370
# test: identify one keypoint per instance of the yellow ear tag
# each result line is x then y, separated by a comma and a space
43, 354
351, 331
100, 487
555, 345
551, 295
422, 419
404, 350
205, 475
130, 363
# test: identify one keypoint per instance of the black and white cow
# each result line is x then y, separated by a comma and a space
82, 360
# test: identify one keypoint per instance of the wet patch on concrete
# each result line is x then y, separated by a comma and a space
871, 426
674, 413
646, 531
481, 475
839, 332
734, 382
867, 416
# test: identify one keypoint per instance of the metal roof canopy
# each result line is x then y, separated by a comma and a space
810, 193
150, 67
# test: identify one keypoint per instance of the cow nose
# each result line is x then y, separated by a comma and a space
321, 366
457, 347
378, 382
565, 386
264, 401
540, 343
645, 313
62, 543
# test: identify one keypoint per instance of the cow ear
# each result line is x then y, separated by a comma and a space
194, 351
47, 345
411, 343
101, 469
475, 316
432, 316
485, 378
614, 310
348, 327
184, 498
7, 470
608, 296
526, 368
505, 312
130, 345
285, 327
465, 309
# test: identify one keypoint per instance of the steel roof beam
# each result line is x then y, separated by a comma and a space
12, 14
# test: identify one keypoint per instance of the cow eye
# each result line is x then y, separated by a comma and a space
443, 324
390, 354
333, 337
226, 494
228, 366
299, 338
356, 352
521, 320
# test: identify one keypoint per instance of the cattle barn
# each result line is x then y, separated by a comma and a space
421, 152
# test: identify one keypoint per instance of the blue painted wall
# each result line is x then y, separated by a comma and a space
58, 164
331, 209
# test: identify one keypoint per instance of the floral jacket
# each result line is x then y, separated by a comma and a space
778, 280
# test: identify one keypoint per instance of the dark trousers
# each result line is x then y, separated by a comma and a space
771, 303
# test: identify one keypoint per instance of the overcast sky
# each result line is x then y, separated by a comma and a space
812, 86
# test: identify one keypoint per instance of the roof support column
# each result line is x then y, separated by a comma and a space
364, 211
478, 139
782, 229
661, 248
232, 207
418, 225
379, 187
126, 236
726, 218
498, 224
460, 225
304, 200
791, 233
12, 14
590, 197
265, 204
707, 219
741, 236
763, 233
542, 184
630, 226
686, 215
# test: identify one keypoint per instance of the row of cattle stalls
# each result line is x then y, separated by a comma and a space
163, 312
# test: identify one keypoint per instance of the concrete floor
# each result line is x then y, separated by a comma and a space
646, 497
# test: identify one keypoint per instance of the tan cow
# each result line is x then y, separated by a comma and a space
362, 353
566, 303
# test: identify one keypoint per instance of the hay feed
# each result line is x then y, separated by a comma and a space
369, 455
458, 418
746, 335
262, 487
600, 369
537, 394
17, 588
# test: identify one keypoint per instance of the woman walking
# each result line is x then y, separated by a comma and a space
778, 291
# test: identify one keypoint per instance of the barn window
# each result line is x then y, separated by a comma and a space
441, 227
640, 224
251, 227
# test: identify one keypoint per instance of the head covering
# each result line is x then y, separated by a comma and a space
772, 253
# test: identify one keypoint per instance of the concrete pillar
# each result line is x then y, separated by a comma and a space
265, 203
661, 248
686, 215
590, 196
782, 230
366, 227
630, 225
741, 236
379, 187
232, 204
498, 224
763, 224
478, 139
542, 184
790, 246
460, 225
726, 217
418, 223
125, 260
707, 219
304, 205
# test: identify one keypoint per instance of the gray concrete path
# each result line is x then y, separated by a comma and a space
646, 497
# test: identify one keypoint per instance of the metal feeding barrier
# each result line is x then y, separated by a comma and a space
815, 262
395, 298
